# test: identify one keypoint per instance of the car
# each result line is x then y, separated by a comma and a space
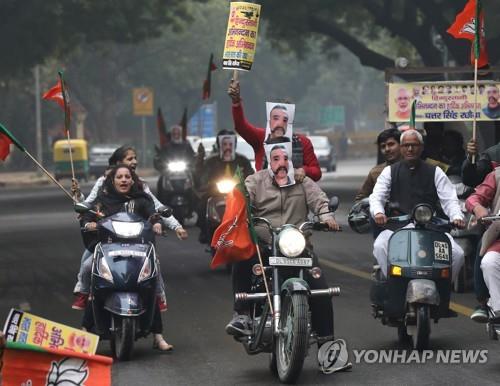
99, 156
325, 152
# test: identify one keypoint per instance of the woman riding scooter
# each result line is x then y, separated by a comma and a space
123, 191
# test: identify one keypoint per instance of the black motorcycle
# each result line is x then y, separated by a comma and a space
286, 331
175, 188
418, 284
124, 278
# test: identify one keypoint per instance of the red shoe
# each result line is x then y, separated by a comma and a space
80, 302
162, 303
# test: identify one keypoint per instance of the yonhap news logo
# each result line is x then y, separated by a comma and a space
421, 357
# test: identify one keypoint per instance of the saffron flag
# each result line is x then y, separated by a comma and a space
235, 239
469, 24
162, 129
207, 84
6, 139
25, 364
59, 94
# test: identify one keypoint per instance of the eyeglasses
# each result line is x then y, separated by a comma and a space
408, 145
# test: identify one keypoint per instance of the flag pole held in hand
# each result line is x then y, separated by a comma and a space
67, 121
15, 141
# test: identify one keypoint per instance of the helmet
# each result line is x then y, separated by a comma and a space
359, 216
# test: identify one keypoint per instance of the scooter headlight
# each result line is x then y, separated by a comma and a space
127, 229
422, 214
225, 186
291, 242
104, 271
177, 166
146, 270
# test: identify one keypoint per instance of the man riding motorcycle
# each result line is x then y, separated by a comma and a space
176, 148
211, 170
410, 182
272, 197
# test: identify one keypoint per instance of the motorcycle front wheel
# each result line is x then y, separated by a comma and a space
292, 341
123, 337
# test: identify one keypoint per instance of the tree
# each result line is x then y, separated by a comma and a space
34, 30
377, 31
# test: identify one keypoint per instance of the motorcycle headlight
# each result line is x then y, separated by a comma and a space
291, 242
104, 271
422, 214
225, 186
177, 166
127, 229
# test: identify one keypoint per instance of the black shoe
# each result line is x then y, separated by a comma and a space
203, 238
239, 325
480, 314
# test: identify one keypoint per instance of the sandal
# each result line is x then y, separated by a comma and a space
161, 344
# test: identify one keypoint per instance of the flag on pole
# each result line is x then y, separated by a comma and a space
59, 94
469, 24
162, 128
184, 123
235, 238
6, 139
207, 84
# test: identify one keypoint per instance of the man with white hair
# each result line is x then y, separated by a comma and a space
409, 182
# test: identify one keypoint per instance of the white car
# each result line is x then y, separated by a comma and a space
325, 152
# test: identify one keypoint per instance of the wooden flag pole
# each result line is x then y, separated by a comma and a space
50, 176
265, 279
474, 123
67, 123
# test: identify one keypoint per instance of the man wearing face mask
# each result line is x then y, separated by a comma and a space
271, 196
304, 159
208, 172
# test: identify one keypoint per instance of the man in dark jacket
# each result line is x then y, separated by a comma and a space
307, 164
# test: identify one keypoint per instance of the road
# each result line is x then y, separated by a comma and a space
40, 249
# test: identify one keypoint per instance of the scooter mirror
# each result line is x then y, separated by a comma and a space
333, 204
81, 207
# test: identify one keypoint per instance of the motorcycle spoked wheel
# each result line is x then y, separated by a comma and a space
423, 330
291, 343
123, 337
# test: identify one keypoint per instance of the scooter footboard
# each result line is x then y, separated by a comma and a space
125, 304
422, 291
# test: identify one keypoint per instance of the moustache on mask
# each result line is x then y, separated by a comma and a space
281, 168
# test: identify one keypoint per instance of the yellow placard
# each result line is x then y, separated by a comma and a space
241, 36
443, 101
24, 327
142, 101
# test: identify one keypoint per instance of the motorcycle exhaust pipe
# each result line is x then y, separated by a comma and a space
245, 297
332, 291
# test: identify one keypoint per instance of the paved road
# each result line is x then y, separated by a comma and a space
39, 253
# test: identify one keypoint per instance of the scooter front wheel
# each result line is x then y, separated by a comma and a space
423, 331
122, 337
292, 341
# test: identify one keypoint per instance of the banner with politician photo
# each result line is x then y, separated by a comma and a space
444, 101
279, 120
279, 162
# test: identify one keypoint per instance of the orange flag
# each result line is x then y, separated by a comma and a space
234, 240
29, 365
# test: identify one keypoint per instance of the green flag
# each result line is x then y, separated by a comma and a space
4, 131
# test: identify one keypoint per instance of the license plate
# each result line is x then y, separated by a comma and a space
441, 251
285, 261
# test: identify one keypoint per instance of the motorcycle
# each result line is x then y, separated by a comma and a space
175, 188
286, 331
468, 238
417, 287
124, 278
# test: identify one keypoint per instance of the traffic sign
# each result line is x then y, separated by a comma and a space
142, 101
332, 115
